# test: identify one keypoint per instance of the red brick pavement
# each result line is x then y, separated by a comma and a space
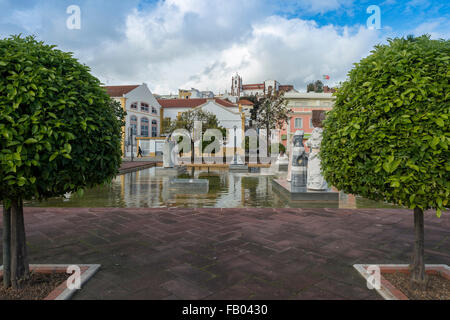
130, 166
249, 253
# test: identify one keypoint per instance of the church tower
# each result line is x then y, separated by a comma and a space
236, 85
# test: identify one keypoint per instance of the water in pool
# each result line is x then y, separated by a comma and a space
149, 188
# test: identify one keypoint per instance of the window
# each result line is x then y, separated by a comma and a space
298, 123
311, 124
134, 105
144, 107
133, 124
154, 111
144, 127
154, 128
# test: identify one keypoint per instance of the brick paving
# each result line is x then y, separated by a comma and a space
248, 253
130, 166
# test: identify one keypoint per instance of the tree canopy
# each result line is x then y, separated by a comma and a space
59, 132
59, 129
387, 136
316, 86
187, 119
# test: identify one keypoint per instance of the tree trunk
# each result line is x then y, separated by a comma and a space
6, 246
19, 259
419, 278
192, 152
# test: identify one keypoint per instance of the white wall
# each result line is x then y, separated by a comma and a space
228, 117
253, 92
142, 94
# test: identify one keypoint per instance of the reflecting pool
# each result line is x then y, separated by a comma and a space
151, 188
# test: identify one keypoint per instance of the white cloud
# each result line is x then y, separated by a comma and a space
310, 6
436, 28
196, 44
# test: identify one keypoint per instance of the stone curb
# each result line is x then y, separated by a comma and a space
387, 290
62, 292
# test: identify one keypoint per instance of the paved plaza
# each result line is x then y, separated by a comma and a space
247, 253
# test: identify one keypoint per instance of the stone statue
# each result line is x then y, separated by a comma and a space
282, 162
299, 161
168, 158
174, 154
315, 178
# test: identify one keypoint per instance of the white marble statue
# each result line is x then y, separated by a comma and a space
315, 180
282, 159
174, 154
168, 157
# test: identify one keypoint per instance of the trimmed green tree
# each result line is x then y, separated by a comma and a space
59, 132
186, 120
387, 136
272, 113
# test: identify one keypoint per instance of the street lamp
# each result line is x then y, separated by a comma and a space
131, 142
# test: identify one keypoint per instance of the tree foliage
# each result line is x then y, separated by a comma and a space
273, 112
59, 130
316, 86
187, 120
256, 103
387, 136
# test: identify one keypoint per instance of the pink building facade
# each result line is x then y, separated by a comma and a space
301, 106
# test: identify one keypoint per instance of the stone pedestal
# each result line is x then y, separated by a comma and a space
238, 168
282, 163
159, 171
190, 186
303, 193
237, 164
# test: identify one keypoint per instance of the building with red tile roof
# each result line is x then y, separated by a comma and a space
119, 91
239, 89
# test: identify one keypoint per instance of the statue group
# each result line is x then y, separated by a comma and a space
305, 168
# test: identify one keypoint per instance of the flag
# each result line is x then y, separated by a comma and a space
326, 77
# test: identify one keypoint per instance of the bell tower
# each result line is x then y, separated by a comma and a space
236, 85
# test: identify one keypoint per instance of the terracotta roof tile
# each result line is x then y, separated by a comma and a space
181, 103
253, 86
286, 87
246, 102
119, 91
225, 103
190, 103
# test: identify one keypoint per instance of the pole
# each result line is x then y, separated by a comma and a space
235, 156
131, 138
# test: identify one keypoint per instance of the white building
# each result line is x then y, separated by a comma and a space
229, 115
143, 112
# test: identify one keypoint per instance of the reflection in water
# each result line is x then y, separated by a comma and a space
150, 188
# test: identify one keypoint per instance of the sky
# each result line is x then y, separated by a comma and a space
175, 44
